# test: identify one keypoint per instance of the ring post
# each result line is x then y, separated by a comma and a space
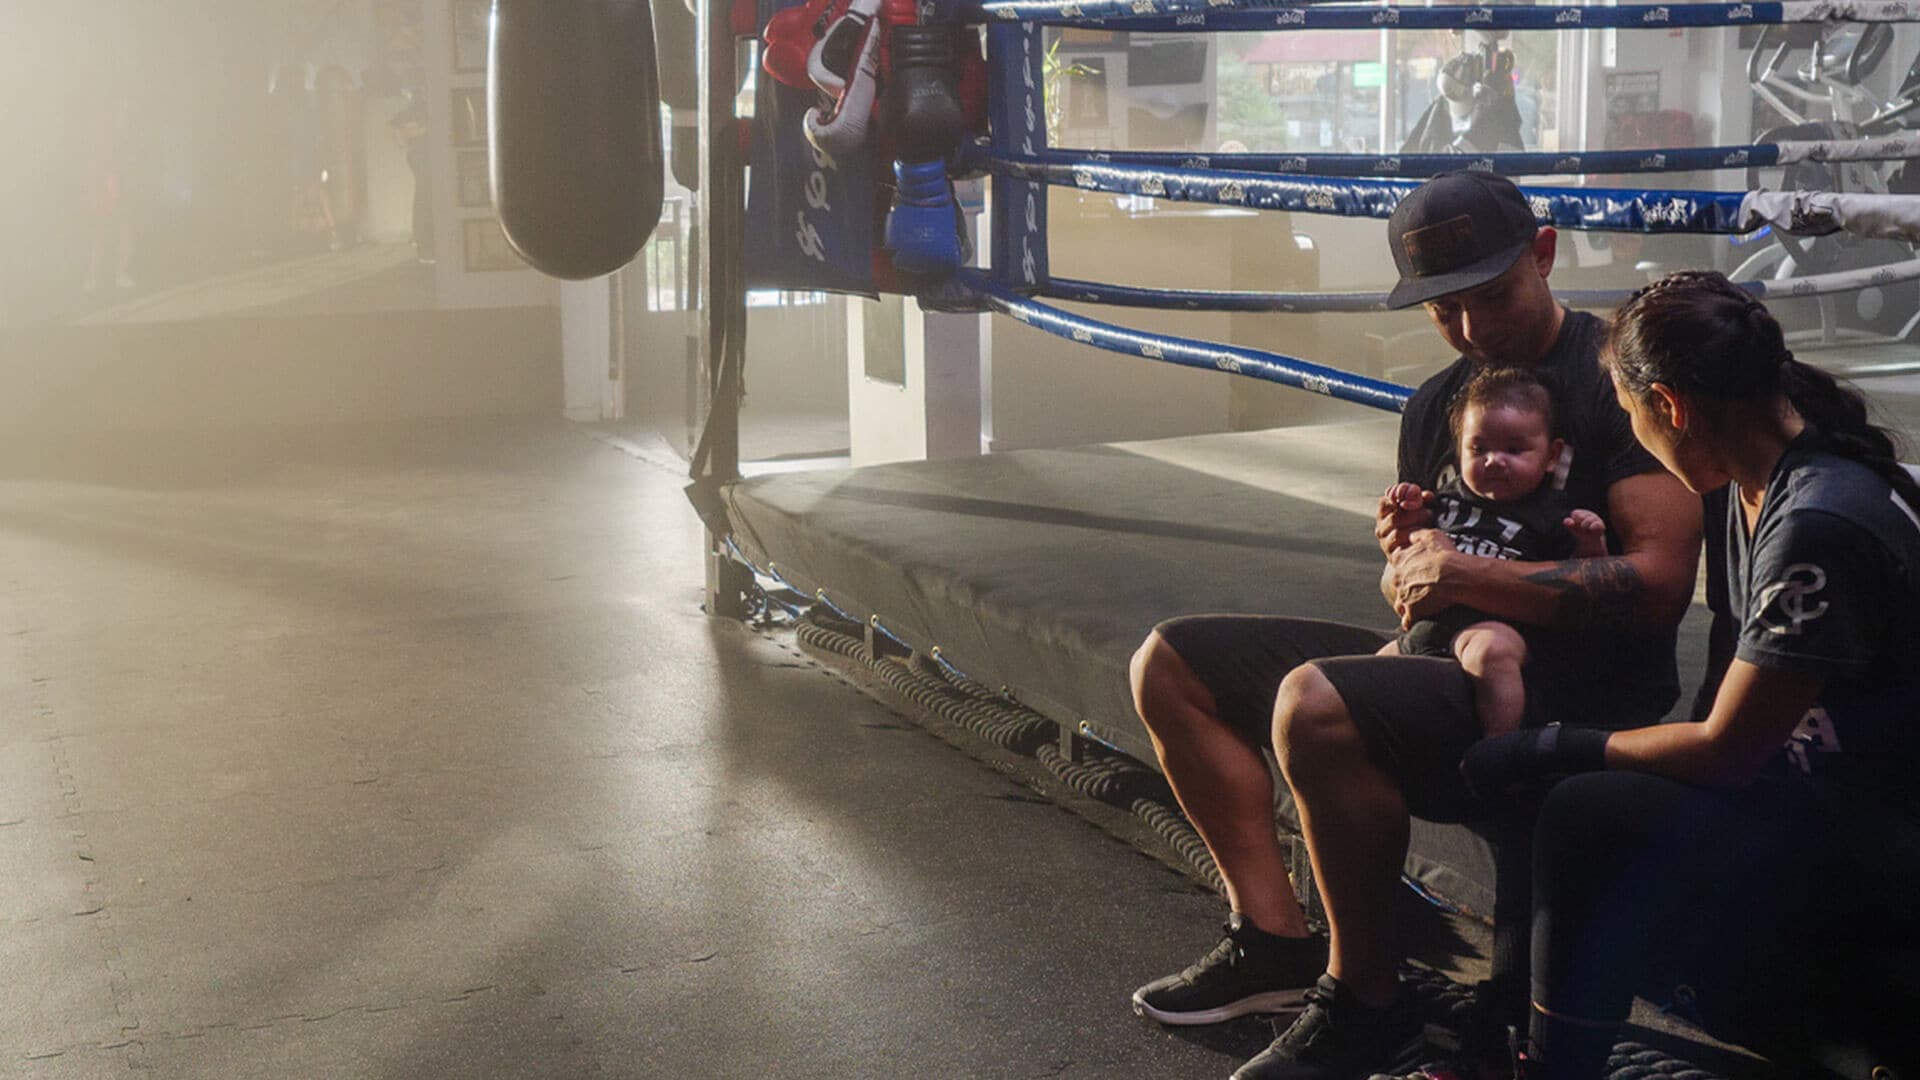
723, 308
1017, 104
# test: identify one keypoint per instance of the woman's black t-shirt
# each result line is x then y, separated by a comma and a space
1593, 677
1828, 583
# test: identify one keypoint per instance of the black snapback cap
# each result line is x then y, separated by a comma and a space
1457, 231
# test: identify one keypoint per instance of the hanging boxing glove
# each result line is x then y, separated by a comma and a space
836, 56
924, 106
842, 129
923, 95
892, 13
923, 227
789, 39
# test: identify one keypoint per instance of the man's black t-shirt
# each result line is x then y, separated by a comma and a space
1828, 583
1591, 677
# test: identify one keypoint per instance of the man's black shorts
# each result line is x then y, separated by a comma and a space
1415, 713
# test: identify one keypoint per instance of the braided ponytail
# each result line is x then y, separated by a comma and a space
1839, 414
1697, 332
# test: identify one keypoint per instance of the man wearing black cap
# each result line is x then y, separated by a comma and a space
1366, 740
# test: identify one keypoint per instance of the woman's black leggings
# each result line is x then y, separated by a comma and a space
1756, 898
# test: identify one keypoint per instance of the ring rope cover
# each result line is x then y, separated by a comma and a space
1528, 163
1214, 15
1614, 209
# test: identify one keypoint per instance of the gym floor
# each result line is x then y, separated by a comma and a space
408, 752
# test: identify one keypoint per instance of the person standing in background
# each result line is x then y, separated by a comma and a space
410, 131
103, 185
296, 123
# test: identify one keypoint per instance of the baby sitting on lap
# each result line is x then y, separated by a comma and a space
1506, 504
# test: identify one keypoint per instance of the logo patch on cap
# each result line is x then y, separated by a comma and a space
1440, 248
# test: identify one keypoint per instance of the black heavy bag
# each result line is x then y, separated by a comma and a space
574, 121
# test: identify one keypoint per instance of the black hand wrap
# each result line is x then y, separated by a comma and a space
1506, 765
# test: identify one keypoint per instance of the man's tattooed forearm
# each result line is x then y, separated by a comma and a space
1599, 593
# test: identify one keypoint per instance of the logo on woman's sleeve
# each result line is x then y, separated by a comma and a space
1787, 605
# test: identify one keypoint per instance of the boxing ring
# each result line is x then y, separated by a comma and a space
1035, 574
1007, 592
844, 537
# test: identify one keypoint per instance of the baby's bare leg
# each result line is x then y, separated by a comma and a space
1492, 654
1391, 648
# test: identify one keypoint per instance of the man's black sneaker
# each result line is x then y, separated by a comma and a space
1448, 1065
1339, 1037
1449, 1070
1521, 1066
1250, 971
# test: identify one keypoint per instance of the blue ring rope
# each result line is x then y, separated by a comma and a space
1616, 209
1187, 352
1190, 15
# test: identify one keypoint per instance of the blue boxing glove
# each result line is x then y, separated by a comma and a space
923, 230
927, 120
1506, 765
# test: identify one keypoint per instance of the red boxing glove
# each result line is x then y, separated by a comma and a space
789, 37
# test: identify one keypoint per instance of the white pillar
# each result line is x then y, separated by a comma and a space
590, 361
922, 399
919, 397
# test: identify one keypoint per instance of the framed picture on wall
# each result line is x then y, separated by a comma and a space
487, 248
476, 186
470, 35
470, 116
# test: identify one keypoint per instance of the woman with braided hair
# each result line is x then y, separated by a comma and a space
1765, 853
